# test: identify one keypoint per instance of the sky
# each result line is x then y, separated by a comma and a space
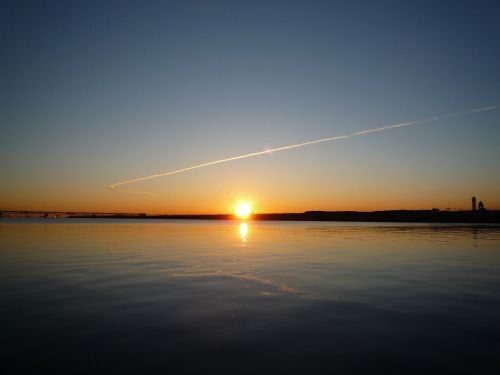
97, 92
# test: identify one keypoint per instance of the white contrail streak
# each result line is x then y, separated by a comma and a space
116, 185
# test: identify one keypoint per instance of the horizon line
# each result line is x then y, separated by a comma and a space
434, 209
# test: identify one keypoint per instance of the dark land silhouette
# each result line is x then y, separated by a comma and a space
417, 216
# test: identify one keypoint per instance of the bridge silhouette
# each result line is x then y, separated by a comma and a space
52, 214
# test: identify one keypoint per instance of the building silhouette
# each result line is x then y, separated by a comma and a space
481, 206
474, 204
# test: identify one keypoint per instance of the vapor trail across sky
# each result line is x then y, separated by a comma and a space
116, 185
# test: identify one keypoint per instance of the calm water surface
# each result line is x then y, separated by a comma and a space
169, 297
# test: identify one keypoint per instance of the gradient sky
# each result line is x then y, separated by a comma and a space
95, 92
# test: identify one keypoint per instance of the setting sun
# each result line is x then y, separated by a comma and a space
243, 210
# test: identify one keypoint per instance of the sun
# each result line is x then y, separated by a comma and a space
243, 210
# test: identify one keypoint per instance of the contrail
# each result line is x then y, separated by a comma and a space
116, 185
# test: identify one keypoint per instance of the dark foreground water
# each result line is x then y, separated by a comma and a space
165, 297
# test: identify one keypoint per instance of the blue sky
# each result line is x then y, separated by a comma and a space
97, 92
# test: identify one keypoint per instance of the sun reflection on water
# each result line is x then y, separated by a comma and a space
243, 232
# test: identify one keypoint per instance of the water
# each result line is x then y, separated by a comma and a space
125, 296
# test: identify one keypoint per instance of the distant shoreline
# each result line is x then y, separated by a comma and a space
412, 216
